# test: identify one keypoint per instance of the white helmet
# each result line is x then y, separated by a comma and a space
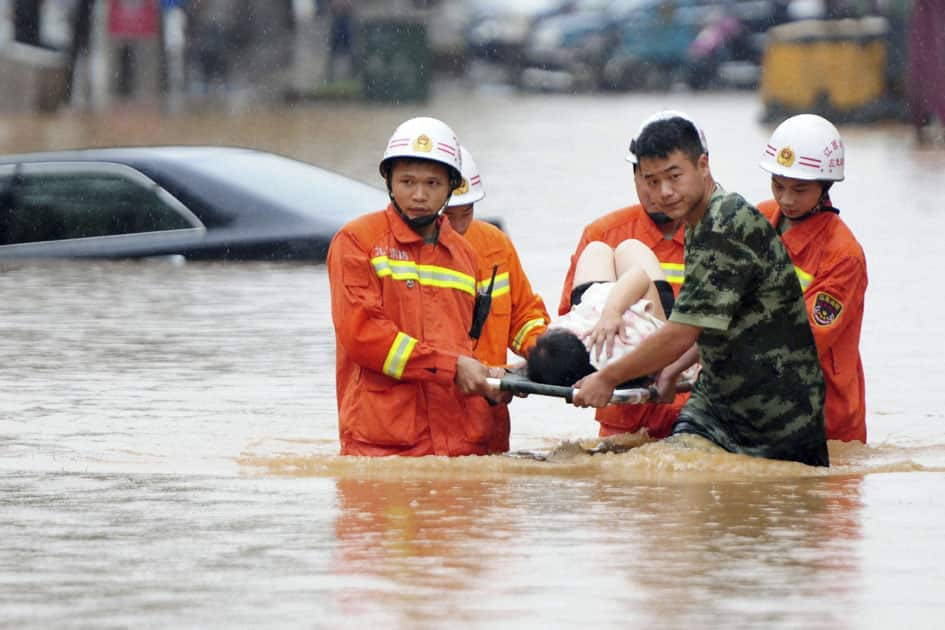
425, 139
471, 190
806, 147
665, 115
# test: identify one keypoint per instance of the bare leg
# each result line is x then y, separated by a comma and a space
632, 264
596, 264
632, 257
632, 253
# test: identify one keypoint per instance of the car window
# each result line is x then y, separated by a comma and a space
56, 203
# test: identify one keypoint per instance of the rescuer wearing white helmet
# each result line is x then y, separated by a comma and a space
403, 293
805, 156
740, 314
804, 153
422, 166
460, 206
518, 315
662, 235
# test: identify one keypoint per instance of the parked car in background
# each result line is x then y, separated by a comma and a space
568, 50
633, 44
498, 29
197, 202
700, 42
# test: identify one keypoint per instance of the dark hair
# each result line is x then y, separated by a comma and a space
662, 137
558, 358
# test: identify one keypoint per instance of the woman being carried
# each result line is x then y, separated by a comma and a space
620, 296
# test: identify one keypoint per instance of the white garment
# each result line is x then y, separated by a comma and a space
638, 321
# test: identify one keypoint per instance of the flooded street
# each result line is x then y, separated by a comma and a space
168, 431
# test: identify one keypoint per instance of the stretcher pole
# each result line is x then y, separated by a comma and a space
520, 385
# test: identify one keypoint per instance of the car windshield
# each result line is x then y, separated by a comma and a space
292, 184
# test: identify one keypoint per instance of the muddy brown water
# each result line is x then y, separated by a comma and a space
168, 432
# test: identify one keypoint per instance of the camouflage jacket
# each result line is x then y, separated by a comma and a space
761, 390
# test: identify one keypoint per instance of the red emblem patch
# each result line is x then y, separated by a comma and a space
826, 309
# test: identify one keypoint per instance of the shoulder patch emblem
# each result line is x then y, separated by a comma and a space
826, 309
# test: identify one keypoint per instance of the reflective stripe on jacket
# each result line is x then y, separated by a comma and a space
402, 310
831, 268
518, 315
613, 229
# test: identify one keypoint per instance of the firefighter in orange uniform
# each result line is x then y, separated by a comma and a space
403, 286
805, 156
665, 238
518, 315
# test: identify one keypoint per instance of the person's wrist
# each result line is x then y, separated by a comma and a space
606, 377
610, 313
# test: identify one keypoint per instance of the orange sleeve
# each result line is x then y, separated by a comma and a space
370, 338
529, 316
564, 305
835, 300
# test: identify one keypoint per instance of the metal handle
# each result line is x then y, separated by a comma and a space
520, 385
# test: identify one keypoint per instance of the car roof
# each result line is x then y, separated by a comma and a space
206, 175
139, 155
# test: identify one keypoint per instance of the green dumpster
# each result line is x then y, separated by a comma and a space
397, 62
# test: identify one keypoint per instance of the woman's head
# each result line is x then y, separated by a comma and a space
559, 358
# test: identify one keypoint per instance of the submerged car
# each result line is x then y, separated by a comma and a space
202, 203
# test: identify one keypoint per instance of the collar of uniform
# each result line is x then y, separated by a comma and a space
714, 199
680, 235
655, 233
718, 191
399, 228
405, 234
712, 206
807, 230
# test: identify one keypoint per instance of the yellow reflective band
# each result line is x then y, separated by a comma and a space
675, 272
804, 277
429, 275
397, 269
501, 286
398, 355
523, 332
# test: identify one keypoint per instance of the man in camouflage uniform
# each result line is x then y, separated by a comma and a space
761, 390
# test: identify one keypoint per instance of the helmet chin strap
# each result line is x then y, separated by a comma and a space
418, 223
807, 215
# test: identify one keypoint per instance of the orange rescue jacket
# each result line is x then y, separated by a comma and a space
614, 228
518, 315
402, 310
831, 267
